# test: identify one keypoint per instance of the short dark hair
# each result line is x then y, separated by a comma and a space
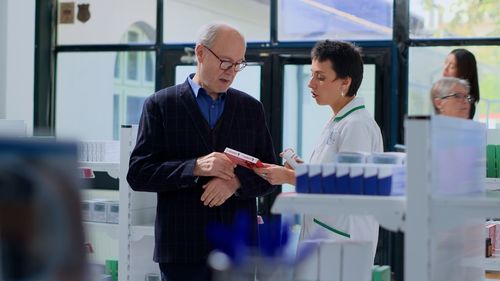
345, 58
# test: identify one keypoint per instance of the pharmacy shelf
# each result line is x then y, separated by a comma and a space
492, 263
492, 183
112, 168
388, 210
138, 232
468, 207
98, 227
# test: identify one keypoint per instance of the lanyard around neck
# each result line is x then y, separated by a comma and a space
337, 119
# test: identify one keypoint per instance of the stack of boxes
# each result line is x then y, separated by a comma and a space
339, 261
355, 173
100, 210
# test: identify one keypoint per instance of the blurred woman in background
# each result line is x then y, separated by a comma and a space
461, 63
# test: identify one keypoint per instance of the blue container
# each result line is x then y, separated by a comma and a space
302, 179
328, 180
342, 179
315, 178
370, 180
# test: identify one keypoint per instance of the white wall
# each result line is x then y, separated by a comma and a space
3, 56
17, 36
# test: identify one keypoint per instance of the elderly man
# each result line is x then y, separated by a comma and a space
182, 133
450, 96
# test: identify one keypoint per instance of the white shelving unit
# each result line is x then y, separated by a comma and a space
112, 168
137, 213
389, 211
108, 228
439, 217
102, 236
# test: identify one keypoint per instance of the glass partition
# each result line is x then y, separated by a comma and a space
426, 65
454, 18
252, 18
98, 92
104, 22
312, 20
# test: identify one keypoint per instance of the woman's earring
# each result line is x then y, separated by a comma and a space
342, 93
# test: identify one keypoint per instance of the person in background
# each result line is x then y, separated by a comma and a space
183, 132
336, 75
451, 97
461, 63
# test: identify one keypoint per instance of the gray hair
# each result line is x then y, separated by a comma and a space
443, 86
208, 33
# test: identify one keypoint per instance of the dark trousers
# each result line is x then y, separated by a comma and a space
185, 272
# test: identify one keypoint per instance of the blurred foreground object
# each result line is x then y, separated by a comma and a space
41, 235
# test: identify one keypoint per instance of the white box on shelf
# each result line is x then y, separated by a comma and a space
85, 210
98, 210
357, 261
330, 260
308, 269
112, 211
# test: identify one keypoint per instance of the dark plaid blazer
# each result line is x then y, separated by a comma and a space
172, 134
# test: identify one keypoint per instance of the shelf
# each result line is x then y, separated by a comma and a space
138, 232
112, 168
492, 263
468, 207
492, 183
110, 229
388, 210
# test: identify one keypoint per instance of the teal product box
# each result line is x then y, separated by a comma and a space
497, 157
342, 179
381, 273
370, 179
328, 178
491, 161
315, 176
391, 179
356, 178
302, 178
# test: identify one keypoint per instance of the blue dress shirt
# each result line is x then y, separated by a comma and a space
210, 109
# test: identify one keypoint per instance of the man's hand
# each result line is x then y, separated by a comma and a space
218, 190
215, 164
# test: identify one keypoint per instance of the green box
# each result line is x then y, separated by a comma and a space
497, 157
491, 161
112, 269
381, 273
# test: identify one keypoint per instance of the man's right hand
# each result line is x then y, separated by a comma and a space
215, 164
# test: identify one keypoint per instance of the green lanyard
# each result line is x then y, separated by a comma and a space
336, 119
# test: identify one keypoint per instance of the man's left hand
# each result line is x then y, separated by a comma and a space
218, 190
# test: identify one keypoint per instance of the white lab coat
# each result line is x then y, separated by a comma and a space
356, 131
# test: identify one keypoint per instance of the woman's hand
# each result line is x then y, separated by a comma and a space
276, 175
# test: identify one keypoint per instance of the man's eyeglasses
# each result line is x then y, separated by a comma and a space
225, 64
458, 96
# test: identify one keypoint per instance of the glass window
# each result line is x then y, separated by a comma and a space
311, 20
248, 80
454, 18
426, 65
103, 22
132, 62
252, 18
149, 67
91, 103
303, 119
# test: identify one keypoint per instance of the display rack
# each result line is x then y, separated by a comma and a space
109, 229
136, 219
433, 217
112, 168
